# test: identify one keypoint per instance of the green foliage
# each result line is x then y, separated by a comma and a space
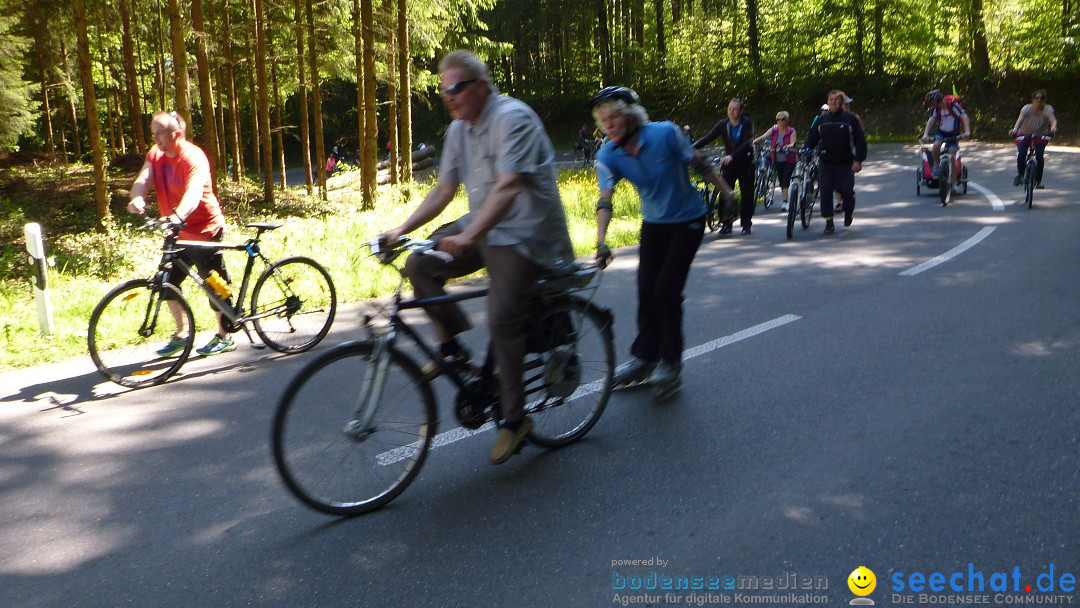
16, 102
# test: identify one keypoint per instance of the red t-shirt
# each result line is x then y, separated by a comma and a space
173, 176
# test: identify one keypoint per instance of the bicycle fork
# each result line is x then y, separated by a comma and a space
359, 427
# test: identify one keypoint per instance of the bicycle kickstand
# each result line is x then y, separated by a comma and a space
247, 332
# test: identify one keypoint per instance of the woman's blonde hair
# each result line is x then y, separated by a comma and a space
782, 115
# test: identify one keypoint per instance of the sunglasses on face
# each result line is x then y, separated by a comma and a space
1039, 97
458, 87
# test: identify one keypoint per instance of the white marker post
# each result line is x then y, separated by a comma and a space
36, 248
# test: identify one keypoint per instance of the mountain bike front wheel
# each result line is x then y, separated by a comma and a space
336, 461
129, 327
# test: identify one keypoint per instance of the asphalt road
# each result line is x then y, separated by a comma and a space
849, 405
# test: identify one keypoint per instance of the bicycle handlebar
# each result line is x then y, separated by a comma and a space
388, 252
1037, 139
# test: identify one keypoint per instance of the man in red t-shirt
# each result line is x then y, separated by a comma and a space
180, 173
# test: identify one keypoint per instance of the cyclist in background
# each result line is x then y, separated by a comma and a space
948, 117
584, 143
654, 157
779, 135
180, 173
1036, 118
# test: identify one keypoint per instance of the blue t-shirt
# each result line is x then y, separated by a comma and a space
659, 173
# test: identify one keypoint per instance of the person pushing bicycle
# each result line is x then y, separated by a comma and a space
496, 148
180, 174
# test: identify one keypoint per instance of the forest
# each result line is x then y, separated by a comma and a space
275, 83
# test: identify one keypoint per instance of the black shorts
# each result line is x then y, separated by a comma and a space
204, 261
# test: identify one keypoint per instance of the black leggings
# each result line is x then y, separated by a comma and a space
1021, 161
665, 255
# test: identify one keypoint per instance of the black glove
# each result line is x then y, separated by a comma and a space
603, 255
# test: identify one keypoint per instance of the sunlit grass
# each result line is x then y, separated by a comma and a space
88, 265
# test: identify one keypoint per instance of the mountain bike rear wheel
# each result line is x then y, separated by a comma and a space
293, 303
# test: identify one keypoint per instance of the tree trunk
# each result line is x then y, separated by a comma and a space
860, 38
253, 104
305, 131
607, 67
130, 75
361, 120
980, 55
391, 93
180, 73
86, 74
316, 98
879, 33
234, 106
404, 91
264, 104
110, 121
754, 43
278, 128
369, 174
206, 91
46, 111
76, 137
661, 39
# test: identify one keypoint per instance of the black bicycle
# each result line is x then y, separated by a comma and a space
718, 211
765, 177
292, 307
355, 425
803, 191
1031, 166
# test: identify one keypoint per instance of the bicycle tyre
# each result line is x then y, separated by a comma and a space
121, 349
806, 206
918, 182
1029, 185
294, 303
770, 188
568, 397
794, 192
945, 181
712, 207
328, 469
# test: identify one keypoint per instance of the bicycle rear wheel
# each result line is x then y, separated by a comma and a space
127, 328
335, 463
806, 205
770, 187
794, 192
569, 389
293, 303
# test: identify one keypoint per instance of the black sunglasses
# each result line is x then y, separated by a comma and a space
458, 87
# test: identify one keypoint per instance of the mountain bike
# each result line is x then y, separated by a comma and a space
716, 212
355, 425
802, 191
1031, 166
292, 306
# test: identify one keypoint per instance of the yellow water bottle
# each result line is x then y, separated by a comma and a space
218, 284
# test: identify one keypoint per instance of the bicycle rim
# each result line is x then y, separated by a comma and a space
128, 327
348, 471
712, 208
571, 387
944, 182
1029, 187
294, 303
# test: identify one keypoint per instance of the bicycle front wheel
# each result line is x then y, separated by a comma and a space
293, 304
569, 388
335, 456
945, 181
794, 192
1029, 184
128, 328
712, 207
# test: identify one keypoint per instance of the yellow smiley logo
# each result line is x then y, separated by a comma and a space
862, 581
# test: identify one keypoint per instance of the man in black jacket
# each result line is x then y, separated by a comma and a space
738, 161
841, 143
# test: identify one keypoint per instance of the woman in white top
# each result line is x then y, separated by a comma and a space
1036, 118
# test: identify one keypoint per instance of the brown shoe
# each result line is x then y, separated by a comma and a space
508, 442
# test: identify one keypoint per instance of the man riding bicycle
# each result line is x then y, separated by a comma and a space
497, 149
947, 116
1036, 118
